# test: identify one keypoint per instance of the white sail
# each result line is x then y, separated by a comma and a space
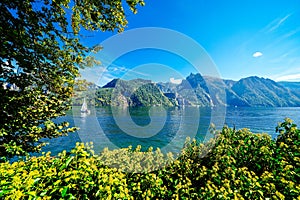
84, 107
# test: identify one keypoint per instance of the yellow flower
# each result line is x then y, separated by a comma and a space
17, 195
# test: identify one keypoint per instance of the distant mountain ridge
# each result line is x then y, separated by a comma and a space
265, 92
198, 90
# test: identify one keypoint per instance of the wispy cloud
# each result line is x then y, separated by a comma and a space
291, 33
115, 71
275, 24
122, 70
261, 35
283, 38
136, 72
116, 68
289, 73
289, 57
289, 77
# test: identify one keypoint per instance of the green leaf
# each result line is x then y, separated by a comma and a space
3, 192
65, 165
64, 191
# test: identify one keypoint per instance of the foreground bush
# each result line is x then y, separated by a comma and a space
234, 165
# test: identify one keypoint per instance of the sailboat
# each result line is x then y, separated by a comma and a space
84, 108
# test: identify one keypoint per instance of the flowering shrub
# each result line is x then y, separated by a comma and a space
240, 165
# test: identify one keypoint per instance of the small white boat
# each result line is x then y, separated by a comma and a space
84, 108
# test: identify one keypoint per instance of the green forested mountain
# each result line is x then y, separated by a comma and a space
197, 90
137, 92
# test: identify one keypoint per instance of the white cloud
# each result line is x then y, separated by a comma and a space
257, 54
116, 68
175, 81
289, 77
276, 23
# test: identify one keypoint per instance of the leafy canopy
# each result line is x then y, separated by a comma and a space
40, 54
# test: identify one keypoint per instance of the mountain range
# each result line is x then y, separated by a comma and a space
198, 90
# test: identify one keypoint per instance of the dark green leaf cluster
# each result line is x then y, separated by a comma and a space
233, 165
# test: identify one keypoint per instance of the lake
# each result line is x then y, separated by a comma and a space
167, 129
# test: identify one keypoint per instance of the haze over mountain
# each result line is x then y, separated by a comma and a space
197, 90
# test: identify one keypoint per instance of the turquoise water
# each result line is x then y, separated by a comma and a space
166, 129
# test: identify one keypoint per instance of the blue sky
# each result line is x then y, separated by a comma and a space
243, 38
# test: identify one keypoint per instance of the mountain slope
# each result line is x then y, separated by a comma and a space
294, 87
257, 91
221, 92
197, 90
137, 92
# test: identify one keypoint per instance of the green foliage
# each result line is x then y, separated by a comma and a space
233, 165
83, 89
40, 55
137, 92
103, 97
79, 175
147, 95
